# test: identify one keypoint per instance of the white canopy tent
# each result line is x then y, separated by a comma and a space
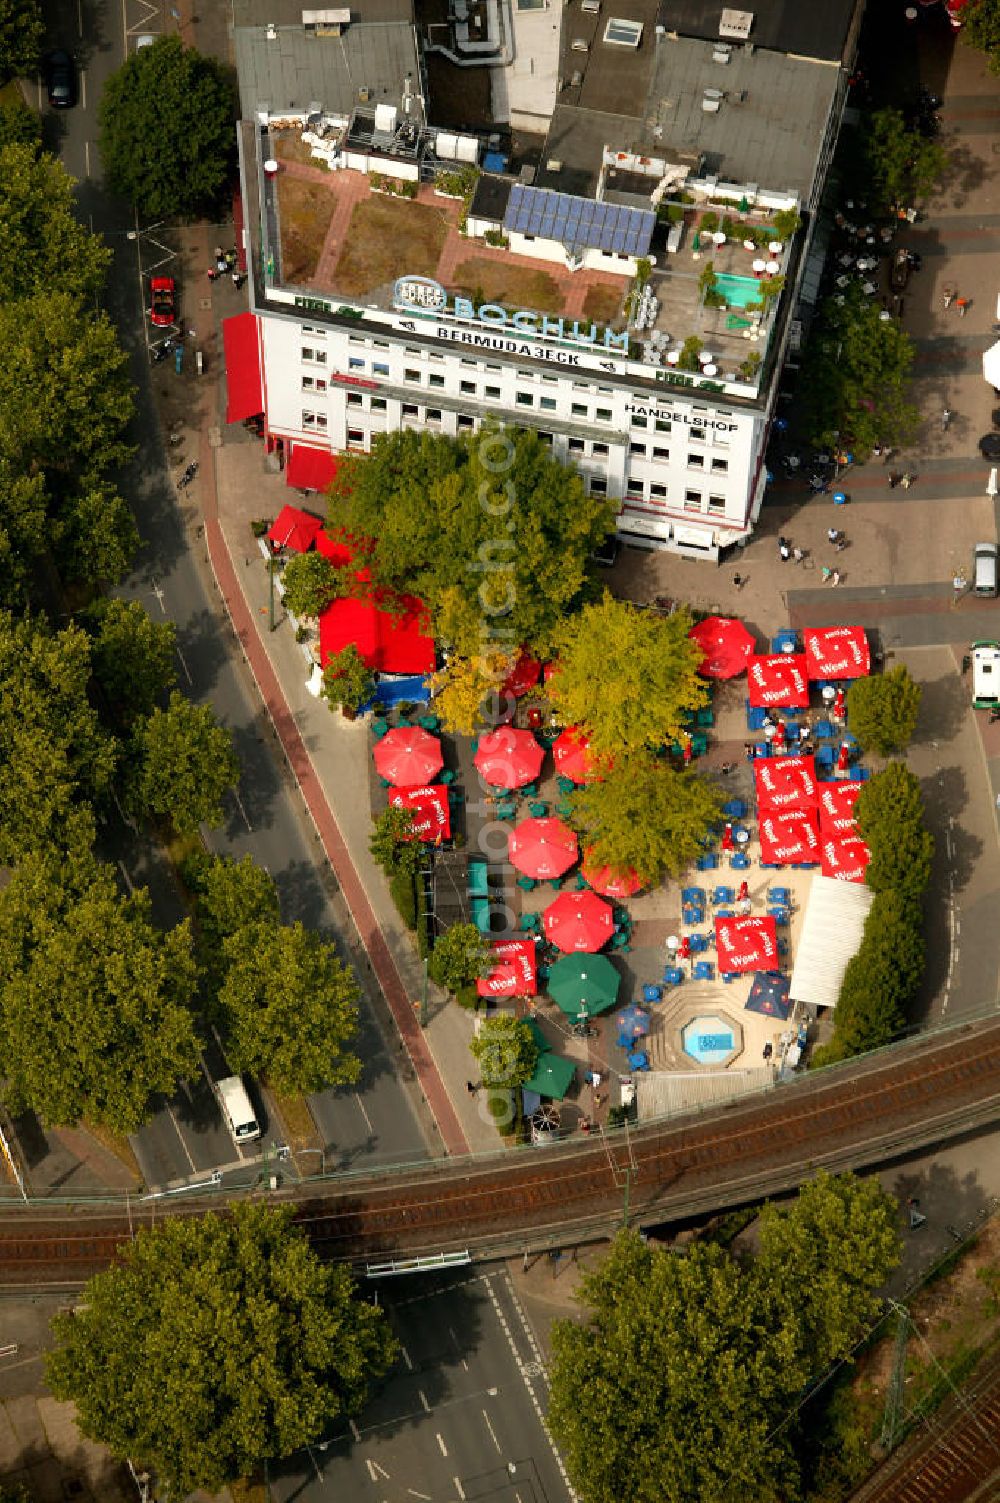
991, 364
832, 927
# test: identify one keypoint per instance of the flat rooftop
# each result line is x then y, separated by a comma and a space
805, 28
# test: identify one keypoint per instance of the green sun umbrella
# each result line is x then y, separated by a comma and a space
584, 984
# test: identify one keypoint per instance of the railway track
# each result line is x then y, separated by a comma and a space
954, 1457
923, 1092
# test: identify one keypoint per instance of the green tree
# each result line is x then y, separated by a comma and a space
463, 686
23, 533
626, 676
289, 1009
53, 751
44, 242
392, 843
981, 29
132, 657
506, 1051
21, 33
890, 819
94, 1000
880, 981
895, 161
883, 709
856, 375
490, 531
19, 126
846, 1228
459, 957
310, 583
183, 764
232, 898
216, 1343
347, 680
65, 395
15, 1493
93, 532
167, 123
643, 814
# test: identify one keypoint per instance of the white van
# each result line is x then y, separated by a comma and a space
236, 1109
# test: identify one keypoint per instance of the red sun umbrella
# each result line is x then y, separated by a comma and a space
746, 944
788, 836
579, 921
726, 644
514, 972
788, 784
836, 651
778, 678
430, 810
571, 754
609, 882
509, 758
844, 757
408, 756
523, 676
836, 807
844, 857
542, 848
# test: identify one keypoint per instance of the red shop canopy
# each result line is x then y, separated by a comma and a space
844, 857
241, 345
514, 973
309, 468
785, 783
727, 644
836, 652
746, 944
836, 807
779, 678
789, 837
431, 815
294, 529
339, 550
388, 643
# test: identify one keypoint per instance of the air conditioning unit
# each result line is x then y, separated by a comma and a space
735, 24
553, 165
363, 96
591, 7
711, 99
721, 53
579, 44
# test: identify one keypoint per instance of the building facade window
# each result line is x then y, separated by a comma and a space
314, 420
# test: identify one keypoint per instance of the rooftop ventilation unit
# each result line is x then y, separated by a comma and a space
591, 7
326, 23
272, 32
721, 52
623, 33
711, 100
735, 24
553, 165
579, 44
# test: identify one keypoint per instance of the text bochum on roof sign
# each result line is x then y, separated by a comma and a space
424, 295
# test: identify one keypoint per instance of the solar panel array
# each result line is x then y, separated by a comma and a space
578, 221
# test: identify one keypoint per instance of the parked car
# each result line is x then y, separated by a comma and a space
60, 80
989, 446
900, 273
164, 309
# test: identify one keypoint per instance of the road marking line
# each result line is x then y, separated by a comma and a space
177, 1129
423, 1400
426, 1496
440, 1441
459, 1488
493, 1435
184, 665
375, 1471
355, 1432
239, 805
364, 1114
406, 1356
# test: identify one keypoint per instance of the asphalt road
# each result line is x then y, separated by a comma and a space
461, 1418
374, 1122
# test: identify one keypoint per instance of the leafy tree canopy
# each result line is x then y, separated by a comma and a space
883, 710
21, 33
460, 956
890, 818
215, 1343
626, 676
880, 981
463, 686
506, 1051
94, 1000
489, 530
132, 657
52, 749
392, 843
678, 1382
981, 29
290, 1008
65, 396
644, 815
19, 126
45, 244
892, 162
183, 764
854, 389
232, 897
23, 533
310, 582
167, 129
93, 532
347, 680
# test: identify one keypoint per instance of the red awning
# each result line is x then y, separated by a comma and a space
746, 944
388, 643
785, 783
779, 678
836, 652
514, 973
294, 529
844, 857
308, 468
241, 343
788, 838
836, 807
429, 806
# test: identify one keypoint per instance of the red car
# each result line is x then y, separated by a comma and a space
163, 311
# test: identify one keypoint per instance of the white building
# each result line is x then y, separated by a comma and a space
571, 303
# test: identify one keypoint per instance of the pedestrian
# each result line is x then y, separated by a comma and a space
798, 555
833, 534
768, 1050
961, 303
784, 550
827, 574
471, 1087
220, 265
217, 253
835, 577
739, 581
213, 275
894, 478
688, 752
748, 751
906, 480
726, 769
